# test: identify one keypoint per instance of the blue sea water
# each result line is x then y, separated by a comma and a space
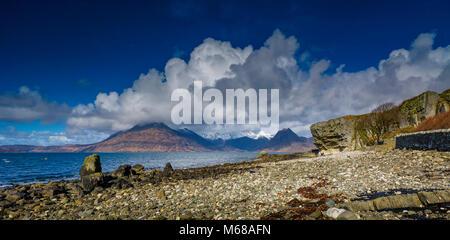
22, 168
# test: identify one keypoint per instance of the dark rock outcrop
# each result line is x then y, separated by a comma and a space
137, 168
122, 171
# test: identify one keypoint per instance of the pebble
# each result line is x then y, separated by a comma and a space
234, 192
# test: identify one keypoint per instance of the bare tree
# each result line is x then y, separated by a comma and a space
370, 128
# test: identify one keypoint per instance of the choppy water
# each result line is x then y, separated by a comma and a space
21, 168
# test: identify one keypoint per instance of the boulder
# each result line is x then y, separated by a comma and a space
168, 170
91, 165
137, 168
122, 171
89, 182
91, 173
334, 135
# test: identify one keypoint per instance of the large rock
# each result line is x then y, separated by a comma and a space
91, 173
122, 171
91, 165
334, 135
89, 182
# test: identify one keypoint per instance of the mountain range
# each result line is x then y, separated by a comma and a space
158, 137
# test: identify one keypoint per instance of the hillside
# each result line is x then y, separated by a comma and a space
339, 134
158, 137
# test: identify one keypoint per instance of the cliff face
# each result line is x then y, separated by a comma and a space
334, 135
427, 104
338, 134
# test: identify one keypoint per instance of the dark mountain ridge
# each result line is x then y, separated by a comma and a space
158, 137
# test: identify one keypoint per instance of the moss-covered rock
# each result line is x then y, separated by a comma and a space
91, 173
91, 165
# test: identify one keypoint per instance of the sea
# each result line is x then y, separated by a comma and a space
25, 168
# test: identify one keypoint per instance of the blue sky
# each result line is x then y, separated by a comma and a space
68, 52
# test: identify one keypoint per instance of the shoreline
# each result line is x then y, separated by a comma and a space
275, 187
76, 177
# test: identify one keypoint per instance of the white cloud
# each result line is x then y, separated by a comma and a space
28, 106
148, 100
307, 95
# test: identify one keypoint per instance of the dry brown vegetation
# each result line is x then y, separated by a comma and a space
370, 128
439, 121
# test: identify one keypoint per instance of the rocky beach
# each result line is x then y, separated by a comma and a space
372, 184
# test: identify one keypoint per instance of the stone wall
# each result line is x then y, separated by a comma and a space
426, 140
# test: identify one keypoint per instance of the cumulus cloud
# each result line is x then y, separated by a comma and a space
28, 106
307, 94
148, 100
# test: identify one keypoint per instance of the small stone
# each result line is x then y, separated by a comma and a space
347, 215
333, 212
14, 197
316, 214
330, 203
161, 194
